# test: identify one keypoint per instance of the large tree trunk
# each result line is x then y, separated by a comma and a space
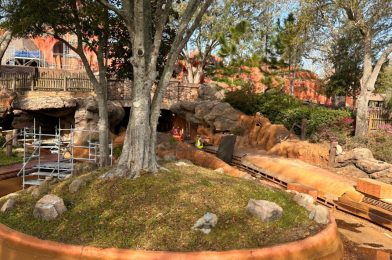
5, 40
361, 123
103, 128
138, 152
368, 81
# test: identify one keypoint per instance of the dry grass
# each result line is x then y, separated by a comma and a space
157, 213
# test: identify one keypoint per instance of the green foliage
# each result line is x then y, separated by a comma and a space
229, 43
2, 140
274, 103
9, 160
117, 151
322, 123
346, 59
280, 108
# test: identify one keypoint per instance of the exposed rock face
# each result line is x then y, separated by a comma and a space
264, 210
8, 205
43, 102
320, 214
78, 111
206, 223
217, 115
49, 207
209, 92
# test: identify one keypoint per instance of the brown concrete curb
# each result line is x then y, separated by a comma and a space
16, 246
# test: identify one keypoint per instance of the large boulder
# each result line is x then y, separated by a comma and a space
371, 165
264, 210
49, 207
355, 154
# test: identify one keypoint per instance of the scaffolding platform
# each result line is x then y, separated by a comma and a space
60, 143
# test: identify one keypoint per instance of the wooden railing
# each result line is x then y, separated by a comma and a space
378, 117
69, 81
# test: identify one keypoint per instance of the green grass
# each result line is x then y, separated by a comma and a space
6, 160
158, 212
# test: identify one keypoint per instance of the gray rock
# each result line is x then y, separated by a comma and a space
76, 185
184, 163
8, 205
304, 200
264, 210
219, 170
206, 223
371, 165
382, 174
207, 92
320, 214
49, 207
355, 154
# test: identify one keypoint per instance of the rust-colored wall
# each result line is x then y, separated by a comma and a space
16, 246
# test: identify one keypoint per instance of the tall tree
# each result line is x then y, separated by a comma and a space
88, 22
373, 20
217, 23
289, 45
144, 19
346, 60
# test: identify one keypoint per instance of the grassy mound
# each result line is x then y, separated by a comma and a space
158, 212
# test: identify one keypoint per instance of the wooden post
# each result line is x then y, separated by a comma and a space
8, 151
65, 83
14, 84
15, 137
332, 153
32, 82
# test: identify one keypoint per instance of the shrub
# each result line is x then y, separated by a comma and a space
243, 100
2, 140
322, 123
280, 108
117, 151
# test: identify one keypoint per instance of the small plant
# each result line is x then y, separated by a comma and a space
117, 151
172, 140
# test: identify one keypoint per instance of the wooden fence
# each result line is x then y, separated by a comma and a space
378, 117
75, 81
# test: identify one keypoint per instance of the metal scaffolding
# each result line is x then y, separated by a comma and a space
34, 142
